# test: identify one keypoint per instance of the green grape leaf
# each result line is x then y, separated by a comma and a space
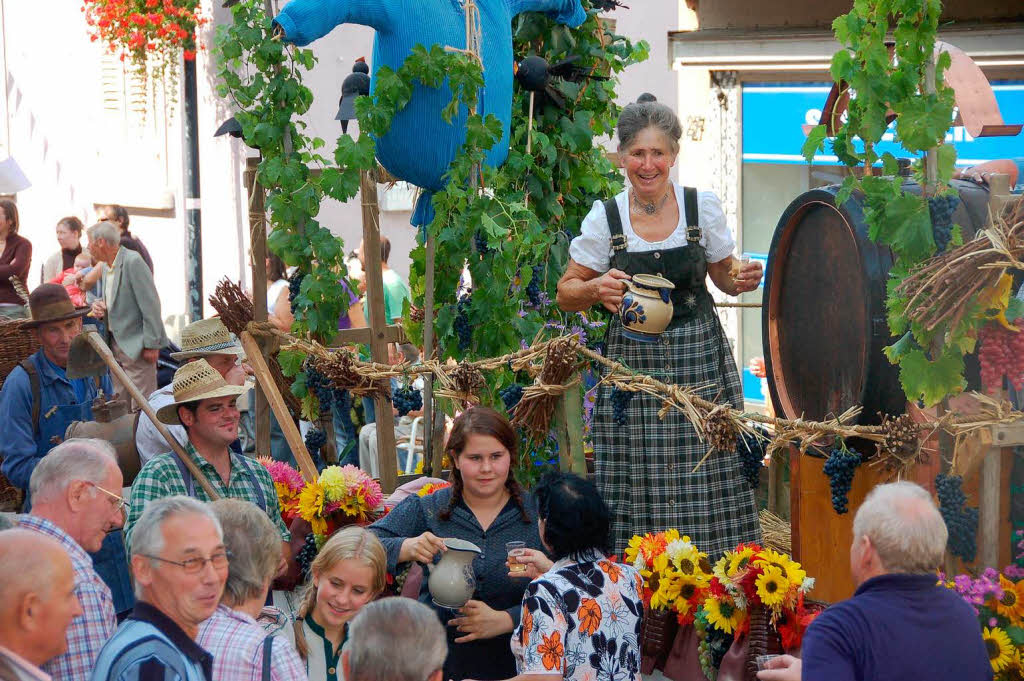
932, 381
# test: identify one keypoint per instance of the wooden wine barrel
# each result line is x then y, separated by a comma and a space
823, 320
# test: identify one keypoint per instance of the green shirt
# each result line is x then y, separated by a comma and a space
160, 478
395, 293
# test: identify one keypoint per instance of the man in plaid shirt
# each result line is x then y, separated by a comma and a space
76, 495
204, 403
242, 649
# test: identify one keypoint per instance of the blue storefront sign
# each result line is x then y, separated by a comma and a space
774, 116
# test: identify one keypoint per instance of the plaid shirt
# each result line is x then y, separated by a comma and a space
236, 642
160, 478
97, 623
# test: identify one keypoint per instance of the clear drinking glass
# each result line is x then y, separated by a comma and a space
515, 548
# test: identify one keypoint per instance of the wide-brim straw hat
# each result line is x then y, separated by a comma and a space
51, 303
207, 337
197, 381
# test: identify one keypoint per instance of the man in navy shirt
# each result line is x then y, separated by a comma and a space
899, 624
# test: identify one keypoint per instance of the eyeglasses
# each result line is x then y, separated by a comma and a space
194, 566
122, 503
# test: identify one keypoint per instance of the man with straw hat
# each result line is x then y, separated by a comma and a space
37, 404
206, 339
204, 404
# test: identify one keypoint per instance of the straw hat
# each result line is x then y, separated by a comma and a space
197, 381
207, 337
51, 303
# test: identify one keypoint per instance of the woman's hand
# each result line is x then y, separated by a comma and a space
781, 668
535, 561
422, 549
610, 287
480, 621
749, 277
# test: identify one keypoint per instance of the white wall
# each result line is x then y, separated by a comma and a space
80, 144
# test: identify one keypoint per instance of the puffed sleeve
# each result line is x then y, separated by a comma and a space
593, 248
716, 236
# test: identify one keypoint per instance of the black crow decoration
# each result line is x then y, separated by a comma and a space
535, 75
355, 85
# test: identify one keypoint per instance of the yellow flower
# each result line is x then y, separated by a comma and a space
772, 587
632, 549
667, 591
1000, 649
1011, 605
738, 560
722, 568
791, 570
723, 614
311, 502
334, 482
690, 584
319, 526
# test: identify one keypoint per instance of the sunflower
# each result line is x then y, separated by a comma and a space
1011, 605
667, 590
723, 614
311, 501
739, 559
1000, 649
791, 570
690, 585
772, 586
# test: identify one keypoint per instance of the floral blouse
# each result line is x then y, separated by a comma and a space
581, 620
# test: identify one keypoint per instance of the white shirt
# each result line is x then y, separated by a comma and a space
273, 291
148, 440
593, 247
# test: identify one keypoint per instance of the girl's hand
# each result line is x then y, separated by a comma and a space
422, 549
479, 621
610, 287
535, 561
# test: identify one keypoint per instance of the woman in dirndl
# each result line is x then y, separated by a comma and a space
644, 470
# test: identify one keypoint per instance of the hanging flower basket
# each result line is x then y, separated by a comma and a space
150, 34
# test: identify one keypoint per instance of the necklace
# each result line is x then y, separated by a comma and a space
649, 208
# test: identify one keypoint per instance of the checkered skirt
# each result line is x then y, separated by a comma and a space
644, 469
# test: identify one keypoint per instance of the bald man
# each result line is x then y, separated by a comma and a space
37, 603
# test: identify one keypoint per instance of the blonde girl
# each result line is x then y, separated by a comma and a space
349, 571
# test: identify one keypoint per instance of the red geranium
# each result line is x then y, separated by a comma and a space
137, 29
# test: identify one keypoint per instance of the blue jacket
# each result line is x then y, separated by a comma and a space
897, 627
61, 402
149, 646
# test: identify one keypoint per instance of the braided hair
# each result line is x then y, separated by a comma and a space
483, 421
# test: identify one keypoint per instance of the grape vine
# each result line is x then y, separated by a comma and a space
884, 77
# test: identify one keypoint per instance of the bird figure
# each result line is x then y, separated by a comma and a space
534, 74
356, 84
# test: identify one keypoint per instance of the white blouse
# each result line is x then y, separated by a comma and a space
593, 247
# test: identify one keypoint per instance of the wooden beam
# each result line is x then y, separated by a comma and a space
258, 247
291, 432
387, 456
389, 334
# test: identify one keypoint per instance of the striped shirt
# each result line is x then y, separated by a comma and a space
89, 631
236, 642
161, 478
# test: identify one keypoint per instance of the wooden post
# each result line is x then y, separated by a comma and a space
432, 454
387, 457
291, 431
258, 244
568, 423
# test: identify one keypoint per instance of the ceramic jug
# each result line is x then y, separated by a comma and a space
452, 582
646, 308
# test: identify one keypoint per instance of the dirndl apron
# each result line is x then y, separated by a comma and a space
644, 470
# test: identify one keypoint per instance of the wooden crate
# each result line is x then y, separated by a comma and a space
821, 537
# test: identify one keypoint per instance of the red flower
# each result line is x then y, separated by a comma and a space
189, 55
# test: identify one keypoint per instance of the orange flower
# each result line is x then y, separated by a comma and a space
552, 651
589, 616
526, 627
612, 570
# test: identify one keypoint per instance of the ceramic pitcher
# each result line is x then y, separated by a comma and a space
452, 581
646, 308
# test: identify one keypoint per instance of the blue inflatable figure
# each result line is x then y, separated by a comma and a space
421, 145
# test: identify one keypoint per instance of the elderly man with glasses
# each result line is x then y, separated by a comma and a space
180, 565
76, 490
